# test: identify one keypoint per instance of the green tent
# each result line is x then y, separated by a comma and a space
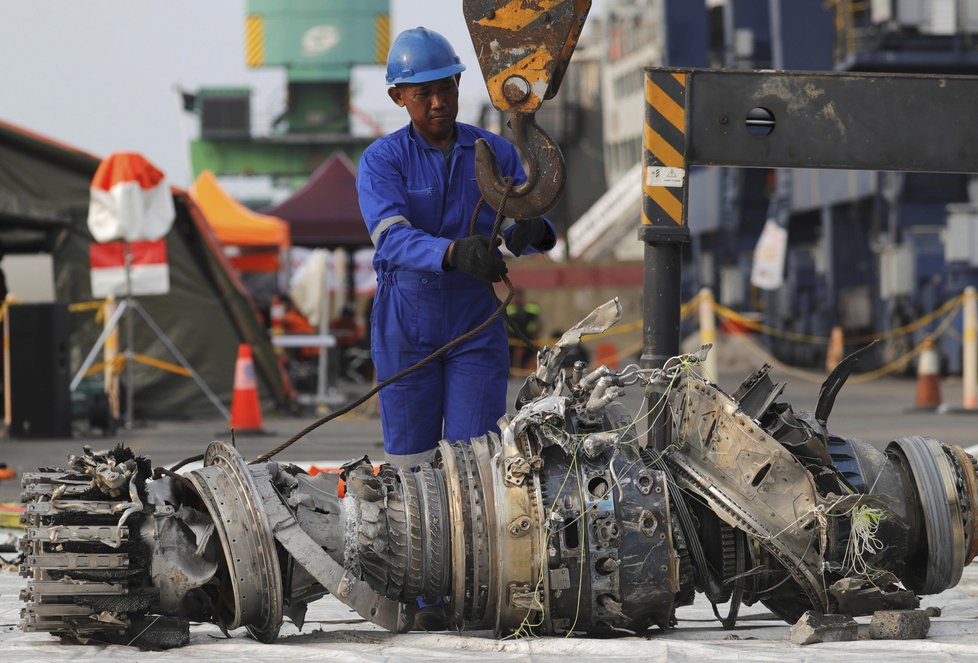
44, 191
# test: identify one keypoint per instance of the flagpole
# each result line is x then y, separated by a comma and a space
130, 362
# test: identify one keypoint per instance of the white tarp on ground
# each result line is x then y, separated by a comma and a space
332, 632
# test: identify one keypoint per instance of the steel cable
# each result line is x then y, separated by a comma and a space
501, 310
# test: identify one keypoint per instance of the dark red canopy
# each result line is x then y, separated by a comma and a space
325, 212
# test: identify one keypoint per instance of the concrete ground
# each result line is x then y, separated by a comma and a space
333, 633
876, 411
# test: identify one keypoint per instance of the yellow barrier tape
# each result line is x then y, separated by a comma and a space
81, 307
955, 334
96, 305
120, 362
910, 326
730, 314
78, 307
162, 365
858, 378
117, 365
691, 307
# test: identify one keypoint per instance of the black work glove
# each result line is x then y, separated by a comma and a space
531, 232
473, 256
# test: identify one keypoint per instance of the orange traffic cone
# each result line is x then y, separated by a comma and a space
245, 410
606, 354
928, 378
836, 349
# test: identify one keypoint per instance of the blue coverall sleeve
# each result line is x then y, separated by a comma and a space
510, 164
384, 205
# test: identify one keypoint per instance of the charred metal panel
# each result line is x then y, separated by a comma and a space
921, 123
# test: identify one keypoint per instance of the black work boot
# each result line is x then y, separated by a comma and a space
431, 618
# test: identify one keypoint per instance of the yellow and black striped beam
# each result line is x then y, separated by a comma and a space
382, 37
254, 41
664, 172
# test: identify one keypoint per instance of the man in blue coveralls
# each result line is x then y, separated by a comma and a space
417, 193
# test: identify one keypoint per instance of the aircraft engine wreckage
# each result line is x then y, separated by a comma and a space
563, 523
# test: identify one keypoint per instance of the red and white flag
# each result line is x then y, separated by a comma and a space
130, 200
149, 272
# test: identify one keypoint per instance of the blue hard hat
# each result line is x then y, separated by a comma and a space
421, 55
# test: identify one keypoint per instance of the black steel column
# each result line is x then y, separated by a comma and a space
661, 300
664, 230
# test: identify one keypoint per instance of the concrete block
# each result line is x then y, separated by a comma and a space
814, 627
899, 625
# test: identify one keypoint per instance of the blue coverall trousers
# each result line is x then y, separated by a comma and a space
460, 395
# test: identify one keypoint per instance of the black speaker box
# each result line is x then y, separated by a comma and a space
40, 370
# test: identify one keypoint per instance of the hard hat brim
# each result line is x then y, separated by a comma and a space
428, 76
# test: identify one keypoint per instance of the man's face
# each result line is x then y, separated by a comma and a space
432, 106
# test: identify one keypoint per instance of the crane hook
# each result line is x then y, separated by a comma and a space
544, 165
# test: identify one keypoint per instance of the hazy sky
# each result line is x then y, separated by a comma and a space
102, 74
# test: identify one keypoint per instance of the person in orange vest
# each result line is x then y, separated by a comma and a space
296, 323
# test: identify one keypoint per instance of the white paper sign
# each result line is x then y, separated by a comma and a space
767, 272
664, 176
